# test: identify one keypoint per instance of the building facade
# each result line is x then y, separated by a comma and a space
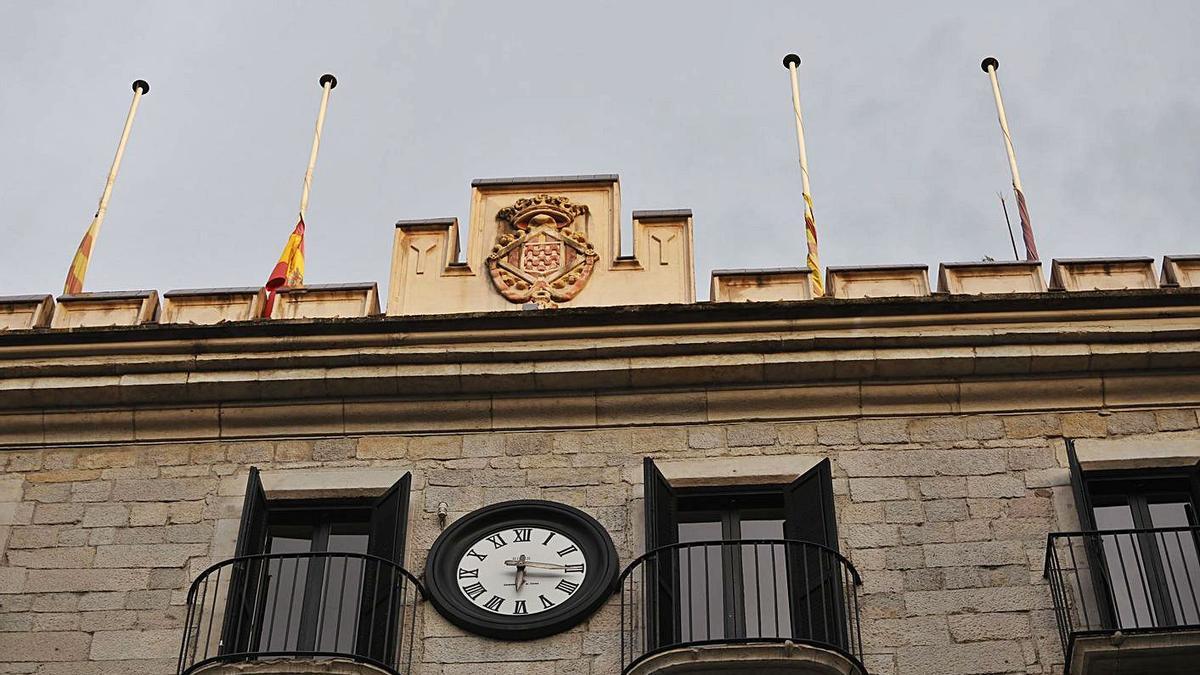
995, 477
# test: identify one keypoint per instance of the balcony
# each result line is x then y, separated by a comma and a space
748, 605
343, 613
1127, 600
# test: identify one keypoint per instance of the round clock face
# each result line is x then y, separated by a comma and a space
521, 570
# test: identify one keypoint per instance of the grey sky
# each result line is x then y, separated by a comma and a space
687, 101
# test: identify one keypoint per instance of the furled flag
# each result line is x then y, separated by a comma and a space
1031, 252
289, 271
79, 264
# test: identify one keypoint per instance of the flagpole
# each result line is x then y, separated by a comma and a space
990, 65
79, 266
328, 82
791, 61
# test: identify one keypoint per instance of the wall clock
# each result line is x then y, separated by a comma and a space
521, 570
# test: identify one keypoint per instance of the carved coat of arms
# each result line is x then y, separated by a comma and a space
538, 257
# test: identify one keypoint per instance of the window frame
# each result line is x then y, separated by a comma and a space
1135, 488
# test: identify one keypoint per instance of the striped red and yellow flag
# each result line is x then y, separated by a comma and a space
289, 271
1031, 252
814, 262
79, 264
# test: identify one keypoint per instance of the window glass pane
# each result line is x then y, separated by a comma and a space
701, 586
764, 580
1177, 552
1126, 568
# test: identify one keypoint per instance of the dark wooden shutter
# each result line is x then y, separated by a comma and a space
661, 569
1093, 545
1083, 501
238, 634
384, 586
814, 574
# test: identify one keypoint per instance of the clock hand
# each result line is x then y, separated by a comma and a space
522, 562
520, 577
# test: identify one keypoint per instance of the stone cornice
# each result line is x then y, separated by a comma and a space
902, 354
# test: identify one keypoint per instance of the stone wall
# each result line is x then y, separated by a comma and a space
945, 517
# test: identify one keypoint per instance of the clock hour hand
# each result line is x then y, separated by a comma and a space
520, 577
521, 563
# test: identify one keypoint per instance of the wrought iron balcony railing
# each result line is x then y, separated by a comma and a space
1137, 580
739, 591
302, 605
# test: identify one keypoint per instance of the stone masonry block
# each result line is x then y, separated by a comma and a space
883, 431
1126, 423
745, 435
937, 429
45, 646
837, 433
878, 489
115, 645
1001, 485
706, 438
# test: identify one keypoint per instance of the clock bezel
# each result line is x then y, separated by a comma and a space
441, 568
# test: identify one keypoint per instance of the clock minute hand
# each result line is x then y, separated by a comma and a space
531, 563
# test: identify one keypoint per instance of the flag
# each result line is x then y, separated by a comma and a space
83, 256
810, 231
289, 271
1031, 252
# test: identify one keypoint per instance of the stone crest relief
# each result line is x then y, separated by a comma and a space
538, 257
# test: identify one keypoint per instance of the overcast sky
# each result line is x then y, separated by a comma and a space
687, 101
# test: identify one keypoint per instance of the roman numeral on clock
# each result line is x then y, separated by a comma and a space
567, 587
523, 534
475, 555
474, 590
494, 603
520, 608
547, 539
546, 604
574, 568
568, 550
497, 540
470, 574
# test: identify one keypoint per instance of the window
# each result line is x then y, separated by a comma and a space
772, 584
1147, 551
309, 581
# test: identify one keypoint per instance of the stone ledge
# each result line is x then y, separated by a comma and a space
766, 659
291, 666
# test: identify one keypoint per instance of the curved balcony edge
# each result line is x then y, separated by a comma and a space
250, 613
734, 601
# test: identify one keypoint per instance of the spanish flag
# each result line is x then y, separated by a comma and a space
79, 265
289, 271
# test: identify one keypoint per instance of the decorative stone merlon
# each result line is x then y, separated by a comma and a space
1102, 274
118, 308
1021, 276
326, 301
878, 281
1181, 270
761, 285
212, 305
19, 312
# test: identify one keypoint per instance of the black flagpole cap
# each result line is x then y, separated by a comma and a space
143, 85
990, 61
327, 78
789, 60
